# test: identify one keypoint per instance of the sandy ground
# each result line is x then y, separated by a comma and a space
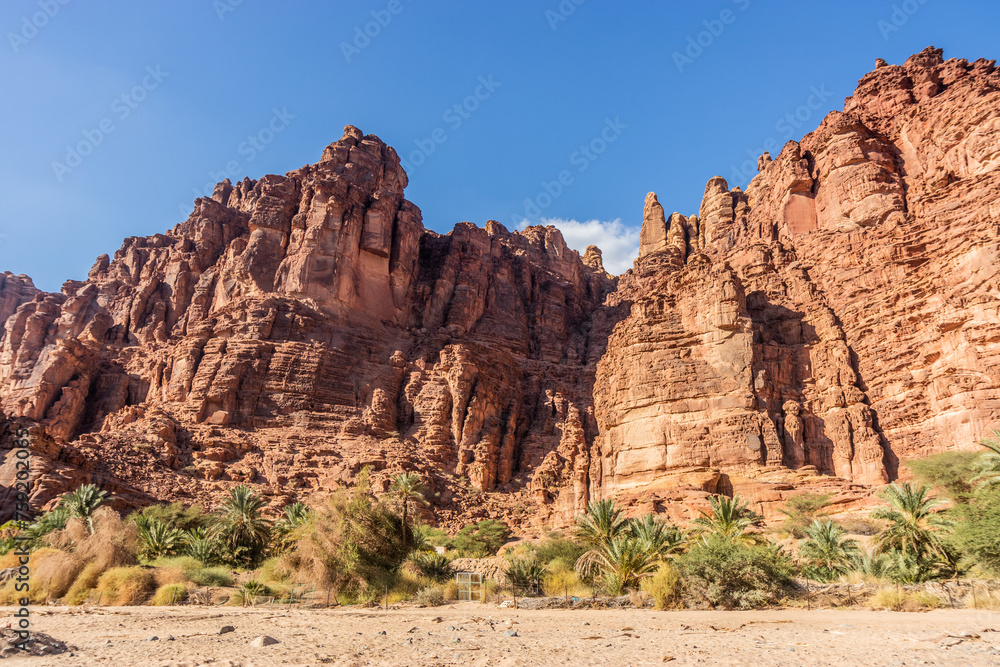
473, 634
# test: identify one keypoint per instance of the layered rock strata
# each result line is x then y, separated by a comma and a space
836, 318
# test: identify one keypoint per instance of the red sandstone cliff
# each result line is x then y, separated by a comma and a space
841, 315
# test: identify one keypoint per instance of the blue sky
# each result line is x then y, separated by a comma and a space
568, 110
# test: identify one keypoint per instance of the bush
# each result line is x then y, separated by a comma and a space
664, 587
525, 574
450, 590
176, 514
730, 574
562, 579
248, 592
483, 538
211, 576
977, 528
893, 599
432, 565
170, 594
802, 510
860, 525
556, 547
432, 596
83, 586
125, 586
355, 544
948, 471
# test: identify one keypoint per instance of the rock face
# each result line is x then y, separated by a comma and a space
839, 316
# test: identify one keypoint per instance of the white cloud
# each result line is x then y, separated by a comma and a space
619, 243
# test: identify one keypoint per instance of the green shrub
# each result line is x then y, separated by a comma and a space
484, 538
432, 596
557, 547
354, 544
170, 594
949, 471
802, 510
730, 574
211, 576
125, 586
247, 593
664, 587
176, 514
434, 566
977, 528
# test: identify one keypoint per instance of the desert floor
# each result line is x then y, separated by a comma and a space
474, 634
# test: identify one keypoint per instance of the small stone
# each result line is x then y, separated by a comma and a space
407, 642
585, 623
262, 641
168, 638
450, 628
152, 638
510, 633
226, 628
380, 632
456, 640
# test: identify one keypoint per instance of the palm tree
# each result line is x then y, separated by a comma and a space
240, 525
730, 518
657, 537
292, 517
83, 502
620, 563
407, 487
914, 525
988, 464
159, 539
602, 523
827, 552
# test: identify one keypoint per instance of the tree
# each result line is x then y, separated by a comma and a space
802, 510
601, 523
406, 488
915, 527
292, 517
240, 526
620, 563
731, 573
657, 536
978, 526
731, 519
485, 537
988, 465
159, 539
827, 552
83, 502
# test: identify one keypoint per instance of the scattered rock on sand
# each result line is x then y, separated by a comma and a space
262, 641
226, 628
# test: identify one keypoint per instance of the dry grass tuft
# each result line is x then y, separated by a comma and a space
170, 594
125, 586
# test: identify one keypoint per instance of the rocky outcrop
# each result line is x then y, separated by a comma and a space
807, 334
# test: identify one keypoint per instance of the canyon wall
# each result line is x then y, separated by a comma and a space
838, 317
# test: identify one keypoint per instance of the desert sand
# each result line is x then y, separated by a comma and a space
475, 634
